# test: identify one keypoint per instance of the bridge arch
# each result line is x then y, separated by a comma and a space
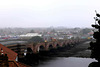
29, 50
41, 48
57, 45
50, 46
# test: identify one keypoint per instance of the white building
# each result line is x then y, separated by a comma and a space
29, 35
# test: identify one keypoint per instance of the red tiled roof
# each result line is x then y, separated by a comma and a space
17, 64
22, 65
11, 54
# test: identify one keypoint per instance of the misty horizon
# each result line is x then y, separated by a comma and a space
45, 13
47, 27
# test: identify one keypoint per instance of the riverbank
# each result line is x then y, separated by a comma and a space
83, 50
80, 50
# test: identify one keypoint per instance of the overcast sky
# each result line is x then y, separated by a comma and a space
46, 13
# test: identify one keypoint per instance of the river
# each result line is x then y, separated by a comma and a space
66, 62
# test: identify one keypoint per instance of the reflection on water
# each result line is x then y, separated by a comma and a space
66, 62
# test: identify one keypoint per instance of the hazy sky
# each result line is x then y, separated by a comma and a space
46, 13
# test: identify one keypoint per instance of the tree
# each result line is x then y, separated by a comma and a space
85, 31
32, 31
36, 39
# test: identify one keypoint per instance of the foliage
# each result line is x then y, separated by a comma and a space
32, 31
36, 39
85, 31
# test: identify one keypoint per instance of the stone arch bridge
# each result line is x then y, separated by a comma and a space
44, 46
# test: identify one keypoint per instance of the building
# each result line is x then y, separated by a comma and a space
29, 35
8, 58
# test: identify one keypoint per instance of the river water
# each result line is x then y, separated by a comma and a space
66, 62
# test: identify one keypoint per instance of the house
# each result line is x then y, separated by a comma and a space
11, 54
8, 58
